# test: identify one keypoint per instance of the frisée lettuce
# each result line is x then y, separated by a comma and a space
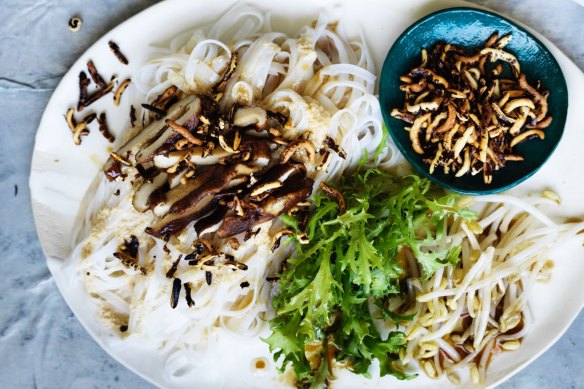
327, 290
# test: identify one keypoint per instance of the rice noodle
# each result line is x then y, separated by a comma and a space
323, 81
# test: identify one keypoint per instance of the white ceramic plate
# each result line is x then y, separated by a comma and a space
62, 172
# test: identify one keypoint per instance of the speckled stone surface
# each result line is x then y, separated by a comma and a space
41, 343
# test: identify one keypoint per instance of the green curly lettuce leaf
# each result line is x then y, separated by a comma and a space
351, 264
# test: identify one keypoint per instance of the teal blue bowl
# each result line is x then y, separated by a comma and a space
470, 28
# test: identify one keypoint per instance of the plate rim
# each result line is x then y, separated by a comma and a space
57, 261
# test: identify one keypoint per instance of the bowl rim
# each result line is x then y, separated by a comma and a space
405, 152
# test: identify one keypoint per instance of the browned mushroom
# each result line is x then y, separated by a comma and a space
147, 134
278, 237
283, 199
120, 91
141, 198
538, 97
330, 142
470, 115
329, 190
302, 149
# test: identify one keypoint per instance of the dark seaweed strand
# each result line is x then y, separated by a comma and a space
89, 118
132, 115
104, 129
200, 248
95, 76
176, 285
190, 301
165, 248
208, 277
116, 50
154, 109
83, 84
172, 270
132, 245
98, 95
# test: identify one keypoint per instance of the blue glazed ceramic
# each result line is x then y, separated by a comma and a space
470, 28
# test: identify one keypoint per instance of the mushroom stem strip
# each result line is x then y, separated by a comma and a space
185, 133
120, 90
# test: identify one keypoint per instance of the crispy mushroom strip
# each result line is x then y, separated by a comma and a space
80, 128
464, 114
120, 90
299, 150
184, 132
278, 237
330, 142
329, 190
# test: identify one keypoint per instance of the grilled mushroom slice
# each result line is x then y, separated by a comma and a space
146, 135
174, 223
141, 198
212, 187
204, 174
329, 190
189, 119
278, 237
282, 200
211, 222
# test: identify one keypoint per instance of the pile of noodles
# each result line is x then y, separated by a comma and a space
323, 81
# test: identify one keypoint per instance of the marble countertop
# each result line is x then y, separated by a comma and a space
42, 345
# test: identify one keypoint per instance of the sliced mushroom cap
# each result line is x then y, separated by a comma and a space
498, 54
173, 223
141, 198
282, 200
132, 146
265, 188
221, 181
211, 222
429, 75
281, 173
169, 135
204, 174
538, 97
415, 132
260, 152
297, 189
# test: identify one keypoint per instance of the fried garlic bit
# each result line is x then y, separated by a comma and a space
465, 114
